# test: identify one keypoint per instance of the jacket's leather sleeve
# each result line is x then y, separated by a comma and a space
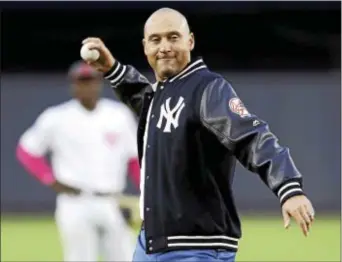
249, 138
129, 84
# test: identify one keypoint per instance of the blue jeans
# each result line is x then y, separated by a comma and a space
204, 255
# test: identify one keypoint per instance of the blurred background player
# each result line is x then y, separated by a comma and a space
92, 144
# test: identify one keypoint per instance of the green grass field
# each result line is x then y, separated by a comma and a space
264, 239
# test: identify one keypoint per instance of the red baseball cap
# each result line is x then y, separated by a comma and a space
80, 70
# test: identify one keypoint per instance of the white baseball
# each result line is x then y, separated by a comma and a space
89, 55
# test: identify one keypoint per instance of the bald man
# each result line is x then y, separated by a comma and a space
192, 129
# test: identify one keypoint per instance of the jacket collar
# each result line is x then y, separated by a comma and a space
192, 67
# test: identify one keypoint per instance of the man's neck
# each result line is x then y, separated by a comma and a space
89, 105
162, 79
158, 78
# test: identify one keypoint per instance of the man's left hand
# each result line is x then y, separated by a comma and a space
300, 208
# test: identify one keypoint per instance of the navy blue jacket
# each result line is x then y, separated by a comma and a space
197, 129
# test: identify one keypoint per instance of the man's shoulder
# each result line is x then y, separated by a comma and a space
55, 109
114, 105
49, 115
108, 102
207, 77
211, 75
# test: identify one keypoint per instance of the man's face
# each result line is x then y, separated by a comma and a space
167, 45
87, 90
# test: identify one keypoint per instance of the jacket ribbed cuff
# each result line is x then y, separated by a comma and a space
288, 190
116, 73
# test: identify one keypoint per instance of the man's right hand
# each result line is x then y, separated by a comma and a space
106, 59
59, 187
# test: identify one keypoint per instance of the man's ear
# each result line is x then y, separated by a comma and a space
144, 45
192, 41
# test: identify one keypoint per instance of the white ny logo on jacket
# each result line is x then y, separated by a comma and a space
171, 115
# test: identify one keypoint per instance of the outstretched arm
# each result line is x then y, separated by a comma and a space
256, 147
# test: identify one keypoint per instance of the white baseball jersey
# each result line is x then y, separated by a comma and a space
90, 150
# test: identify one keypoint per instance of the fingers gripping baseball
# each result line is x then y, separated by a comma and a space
104, 60
300, 209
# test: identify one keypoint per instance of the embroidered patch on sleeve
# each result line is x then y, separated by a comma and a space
237, 107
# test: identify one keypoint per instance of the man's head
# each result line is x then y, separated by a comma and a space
86, 83
167, 42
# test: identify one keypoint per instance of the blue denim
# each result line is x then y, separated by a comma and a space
193, 255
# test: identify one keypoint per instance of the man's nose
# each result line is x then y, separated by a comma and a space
165, 46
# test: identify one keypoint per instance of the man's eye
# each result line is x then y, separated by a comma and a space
174, 37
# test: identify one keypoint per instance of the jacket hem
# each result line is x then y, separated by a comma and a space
171, 243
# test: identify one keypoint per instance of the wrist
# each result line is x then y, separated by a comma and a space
110, 65
48, 179
116, 73
288, 190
